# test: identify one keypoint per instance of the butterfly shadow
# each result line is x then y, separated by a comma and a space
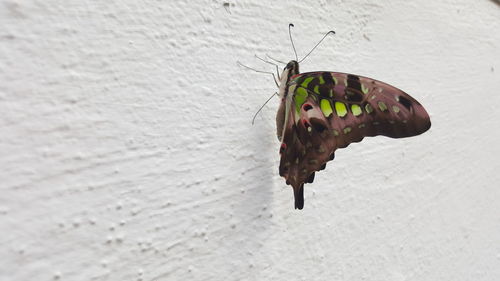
252, 214
257, 174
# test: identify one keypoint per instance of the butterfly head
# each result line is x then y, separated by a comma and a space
293, 64
291, 69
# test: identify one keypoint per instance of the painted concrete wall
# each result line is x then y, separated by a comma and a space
127, 153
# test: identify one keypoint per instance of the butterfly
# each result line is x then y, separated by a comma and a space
321, 112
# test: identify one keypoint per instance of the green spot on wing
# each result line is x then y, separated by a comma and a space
316, 89
306, 82
368, 108
300, 98
326, 107
356, 110
382, 106
321, 80
341, 109
364, 89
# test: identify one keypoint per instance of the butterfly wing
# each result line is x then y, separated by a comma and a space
325, 111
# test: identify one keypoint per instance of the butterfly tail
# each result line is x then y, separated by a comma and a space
298, 193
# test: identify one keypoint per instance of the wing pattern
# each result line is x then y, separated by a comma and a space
329, 110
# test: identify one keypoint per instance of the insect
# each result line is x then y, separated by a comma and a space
321, 112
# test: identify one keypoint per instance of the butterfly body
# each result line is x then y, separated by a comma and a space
323, 111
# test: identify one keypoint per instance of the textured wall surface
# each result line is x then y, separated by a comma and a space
127, 150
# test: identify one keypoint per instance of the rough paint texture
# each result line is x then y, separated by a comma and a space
127, 153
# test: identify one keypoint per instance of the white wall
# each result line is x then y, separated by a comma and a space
127, 151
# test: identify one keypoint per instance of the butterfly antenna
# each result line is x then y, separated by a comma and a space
329, 32
275, 59
271, 63
259, 71
293, 46
253, 119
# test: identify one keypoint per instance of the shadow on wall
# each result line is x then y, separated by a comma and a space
257, 176
252, 213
